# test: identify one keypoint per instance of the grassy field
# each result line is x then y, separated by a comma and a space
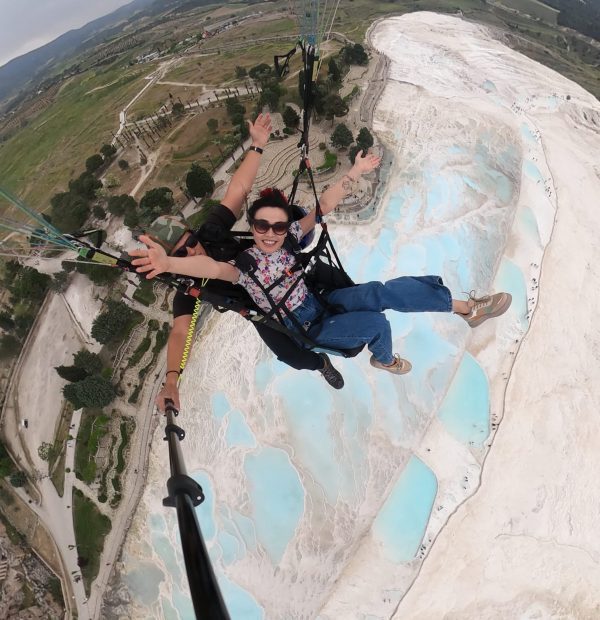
57, 466
191, 142
93, 427
218, 69
158, 95
91, 528
42, 157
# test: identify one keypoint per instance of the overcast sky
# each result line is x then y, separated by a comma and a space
28, 24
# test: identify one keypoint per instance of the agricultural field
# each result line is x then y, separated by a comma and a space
39, 160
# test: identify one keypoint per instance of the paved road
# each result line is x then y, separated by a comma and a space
55, 513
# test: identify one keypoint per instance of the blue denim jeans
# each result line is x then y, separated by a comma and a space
362, 321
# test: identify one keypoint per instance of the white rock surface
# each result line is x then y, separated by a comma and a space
525, 545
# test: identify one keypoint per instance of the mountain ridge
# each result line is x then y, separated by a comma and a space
18, 72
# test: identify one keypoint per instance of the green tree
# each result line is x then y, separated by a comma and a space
30, 285
131, 219
85, 185
6, 464
234, 107
333, 106
199, 182
100, 275
69, 211
123, 164
237, 119
93, 162
355, 55
111, 324
88, 361
9, 346
212, 124
119, 205
320, 94
260, 71
335, 75
71, 373
98, 212
240, 72
18, 478
155, 202
270, 96
364, 140
24, 321
93, 391
71, 394
6, 321
11, 269
178, 108
59, 281
243, 130
45, 450
341, 137
290, 117
108, 151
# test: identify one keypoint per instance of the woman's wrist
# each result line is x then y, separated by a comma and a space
171, 376
356, 172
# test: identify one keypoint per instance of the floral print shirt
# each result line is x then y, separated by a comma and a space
269, 268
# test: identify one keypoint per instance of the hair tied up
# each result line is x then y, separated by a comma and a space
272, 193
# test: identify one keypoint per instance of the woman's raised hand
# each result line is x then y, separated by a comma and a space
363, 165
153, 260
260, 130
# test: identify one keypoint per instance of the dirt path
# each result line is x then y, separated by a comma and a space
132, 491
145, 171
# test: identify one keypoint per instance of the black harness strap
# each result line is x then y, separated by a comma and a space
283, 68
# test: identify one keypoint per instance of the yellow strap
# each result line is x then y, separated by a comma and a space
189, 337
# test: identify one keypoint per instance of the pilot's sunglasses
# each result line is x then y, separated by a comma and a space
262, 226
190, 242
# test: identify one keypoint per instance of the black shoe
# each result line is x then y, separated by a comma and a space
331, 375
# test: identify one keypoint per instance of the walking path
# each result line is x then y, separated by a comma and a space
132, 490
55, 512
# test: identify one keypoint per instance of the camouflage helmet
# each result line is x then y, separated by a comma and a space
167, 230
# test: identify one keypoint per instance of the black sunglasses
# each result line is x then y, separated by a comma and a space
262, 226
190, 242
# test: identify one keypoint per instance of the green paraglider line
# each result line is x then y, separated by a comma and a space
4, 193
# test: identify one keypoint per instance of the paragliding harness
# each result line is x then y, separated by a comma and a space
321, 276
320, 268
